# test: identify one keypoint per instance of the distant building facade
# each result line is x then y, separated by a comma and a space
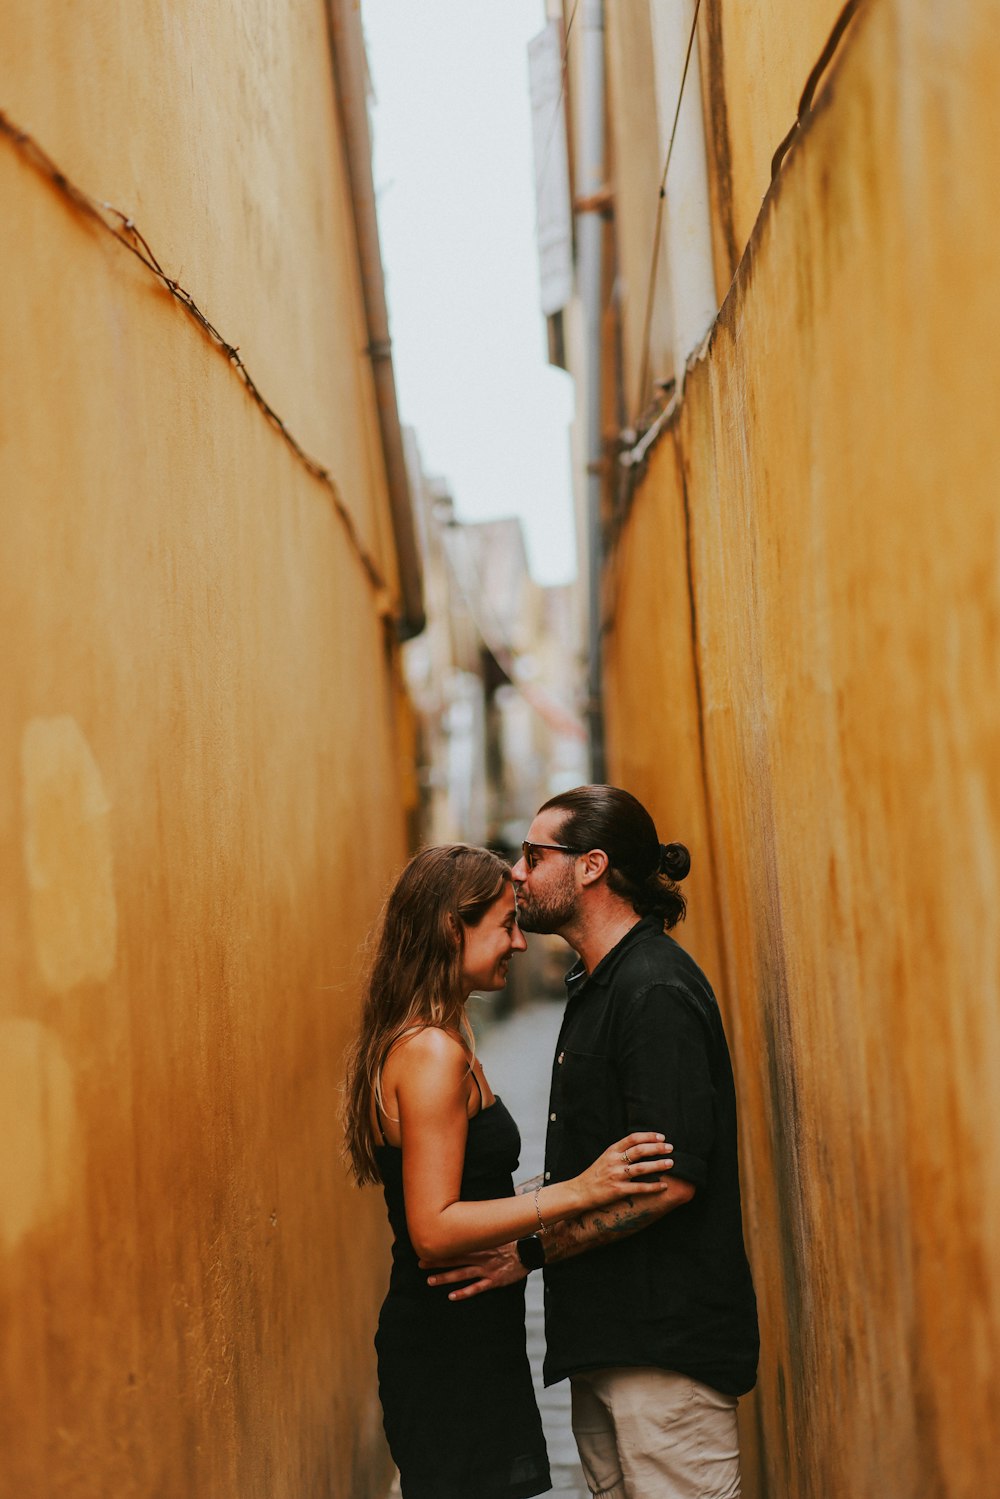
494, 678
495, 682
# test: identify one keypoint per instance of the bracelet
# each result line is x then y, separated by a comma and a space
538, 1212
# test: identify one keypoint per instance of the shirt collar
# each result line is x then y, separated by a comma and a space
578, 978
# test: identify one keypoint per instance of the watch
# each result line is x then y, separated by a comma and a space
531, 1252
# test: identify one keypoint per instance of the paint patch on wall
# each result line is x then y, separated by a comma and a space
37, 1126
74, 919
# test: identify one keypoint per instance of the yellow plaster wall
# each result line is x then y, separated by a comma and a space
755, 60
810, 572
203, 795
215, 128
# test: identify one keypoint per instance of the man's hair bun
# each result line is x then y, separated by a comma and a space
675, 861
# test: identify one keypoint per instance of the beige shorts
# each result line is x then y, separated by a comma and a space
650, 1434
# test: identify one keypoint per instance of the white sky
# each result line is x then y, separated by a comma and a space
455, 188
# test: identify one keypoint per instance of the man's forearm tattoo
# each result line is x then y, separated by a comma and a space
591, 1230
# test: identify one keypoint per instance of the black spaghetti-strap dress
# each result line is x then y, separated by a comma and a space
457, 1400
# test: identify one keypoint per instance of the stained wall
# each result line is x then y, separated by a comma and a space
755, 62
804, 611
202, 741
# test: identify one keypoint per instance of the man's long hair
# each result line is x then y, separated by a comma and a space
642, 870
414, 977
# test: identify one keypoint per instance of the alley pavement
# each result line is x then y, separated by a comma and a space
517, 1056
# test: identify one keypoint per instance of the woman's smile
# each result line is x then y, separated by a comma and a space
489, 945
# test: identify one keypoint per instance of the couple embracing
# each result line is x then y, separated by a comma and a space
635, 1223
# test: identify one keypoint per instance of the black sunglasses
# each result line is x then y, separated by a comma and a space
531, 858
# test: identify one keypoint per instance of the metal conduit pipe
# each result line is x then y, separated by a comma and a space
591, 185
350, 71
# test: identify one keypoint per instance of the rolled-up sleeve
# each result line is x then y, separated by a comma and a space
665, 1073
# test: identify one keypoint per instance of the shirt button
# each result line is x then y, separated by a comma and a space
559, 1058
548, 1175
552, 1118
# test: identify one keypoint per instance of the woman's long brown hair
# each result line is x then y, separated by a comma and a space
415, 975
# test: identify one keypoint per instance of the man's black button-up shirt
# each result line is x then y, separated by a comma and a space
642, 1048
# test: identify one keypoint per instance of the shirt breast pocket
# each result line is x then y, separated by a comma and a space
587, 1100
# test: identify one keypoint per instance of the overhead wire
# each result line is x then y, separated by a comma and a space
557, 114
651, 286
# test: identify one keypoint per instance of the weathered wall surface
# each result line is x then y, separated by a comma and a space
755, 60
803, 670
200, 767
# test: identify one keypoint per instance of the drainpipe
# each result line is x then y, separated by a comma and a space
591, 202
350, 72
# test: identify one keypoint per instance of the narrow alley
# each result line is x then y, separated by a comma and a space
517, 1056
408, 414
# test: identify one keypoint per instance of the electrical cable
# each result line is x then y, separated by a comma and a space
123, 228
557, 113
813, 81
651, 288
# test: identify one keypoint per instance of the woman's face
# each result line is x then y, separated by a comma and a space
490, 945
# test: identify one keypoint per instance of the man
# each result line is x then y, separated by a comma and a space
657, 1329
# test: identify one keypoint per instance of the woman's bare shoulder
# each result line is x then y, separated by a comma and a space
431, 1046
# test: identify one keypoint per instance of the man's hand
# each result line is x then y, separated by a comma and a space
486, 1270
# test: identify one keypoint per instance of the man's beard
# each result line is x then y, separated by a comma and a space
550, 912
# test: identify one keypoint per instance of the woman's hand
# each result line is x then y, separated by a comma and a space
485, 1271
626, 1169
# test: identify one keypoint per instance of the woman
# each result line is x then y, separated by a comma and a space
454, 1381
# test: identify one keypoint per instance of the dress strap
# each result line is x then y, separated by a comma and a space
478, 1090
379, 1124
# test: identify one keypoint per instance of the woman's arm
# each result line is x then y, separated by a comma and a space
491, 1268
428, 1073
